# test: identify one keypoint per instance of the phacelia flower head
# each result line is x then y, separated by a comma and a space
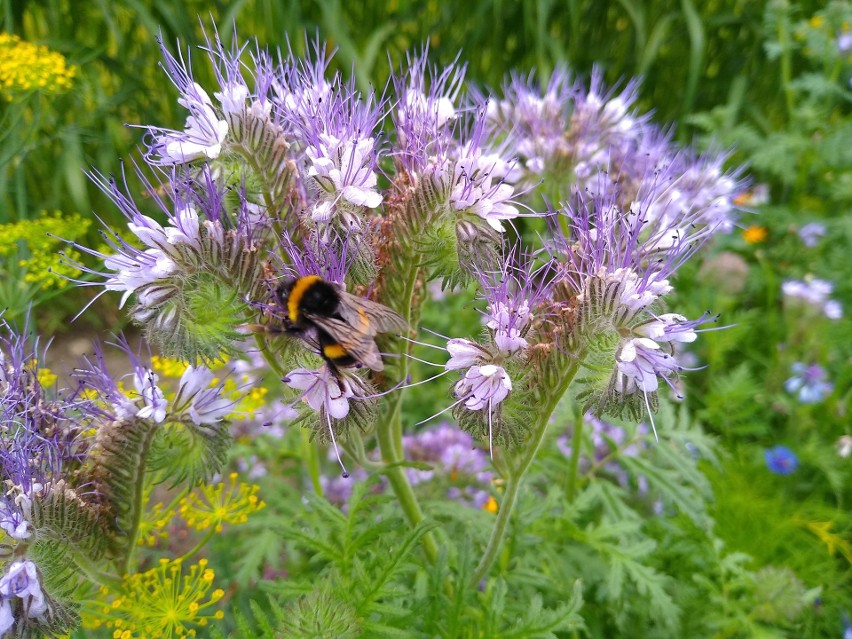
457, 463
426, 111
336, 134
198, 399
781, 460
514, 292
534, 118
808, 383
192, 277
617, 261
244, 106
339, 398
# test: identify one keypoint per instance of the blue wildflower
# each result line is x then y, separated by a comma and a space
781, 460
808, 383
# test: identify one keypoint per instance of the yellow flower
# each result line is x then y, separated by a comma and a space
163, 603
46, 377
168, 367
34, 247
30, 67
755, 234
491, 505
213, 505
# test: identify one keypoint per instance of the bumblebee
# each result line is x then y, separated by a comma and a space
343, 325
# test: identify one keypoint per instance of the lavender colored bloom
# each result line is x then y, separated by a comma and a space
814, 292
338, 489
204, 404
147, 401
322, 390
618, 258
453, 456
513, 292
781, 460
534, 118
426, 110
844, 42
808, 383
20, 582
483, 386
811, 233
210, 128
333, 129
464, 354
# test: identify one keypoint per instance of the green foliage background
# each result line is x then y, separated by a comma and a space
742, 73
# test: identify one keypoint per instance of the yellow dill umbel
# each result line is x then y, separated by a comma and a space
32, 247
28, 67
164, 602
214, 505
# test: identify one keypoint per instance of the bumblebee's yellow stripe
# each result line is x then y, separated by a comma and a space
334, 351
299, 289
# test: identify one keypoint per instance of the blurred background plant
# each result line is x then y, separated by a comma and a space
762, 533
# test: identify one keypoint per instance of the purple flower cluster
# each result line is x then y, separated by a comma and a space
197, 399
813, 292
607, 438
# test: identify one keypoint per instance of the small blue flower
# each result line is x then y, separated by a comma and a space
808, 383
781, 460
811, 233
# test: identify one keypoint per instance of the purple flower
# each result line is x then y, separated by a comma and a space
781, 460
808, 383
20, 581
338, 489
483, 386
453, 456
814, 292
334, 131
426, 111
514, 292
534, 119
844, 42
811, 233
323, 390
204, 404
146, 401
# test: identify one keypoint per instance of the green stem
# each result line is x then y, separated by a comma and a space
268, 355
311, 455
108, 580
576, 444
516, 476
139, 494
207, 537
402, 488
389, 428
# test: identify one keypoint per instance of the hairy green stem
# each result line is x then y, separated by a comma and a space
138, 495
93, 574
516, 476
576, 444
389, 429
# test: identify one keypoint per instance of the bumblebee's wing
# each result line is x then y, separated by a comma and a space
369, 317
358, 344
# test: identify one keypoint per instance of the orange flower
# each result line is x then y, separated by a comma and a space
755, 234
